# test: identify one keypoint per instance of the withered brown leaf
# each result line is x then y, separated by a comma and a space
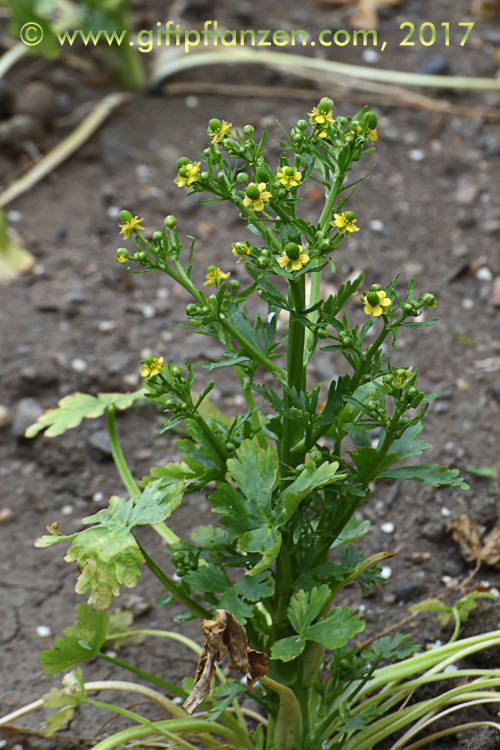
473, 546
222, 635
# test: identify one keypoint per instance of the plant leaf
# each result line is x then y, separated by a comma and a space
81, 641
289, 648
305, 606
254, 469
337, 629
430, 474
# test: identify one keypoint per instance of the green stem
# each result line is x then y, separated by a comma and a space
175, 726
145, 675
456, 630
252, 350
117, 453
175, 590
288, 729
296, 372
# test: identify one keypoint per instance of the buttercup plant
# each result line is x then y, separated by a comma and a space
284, 478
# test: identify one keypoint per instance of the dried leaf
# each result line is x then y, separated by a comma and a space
222, 635
467, 534
366, 16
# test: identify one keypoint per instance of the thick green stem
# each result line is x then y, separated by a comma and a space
117, 453
296, 372
252, 350
288, 730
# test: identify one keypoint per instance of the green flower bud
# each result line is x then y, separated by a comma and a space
192, 309
170, 404
122, 255
411, 392
325, 246
125, 216
214, 124
372, 405
297, 138
289, 171
221, 179
181, 162
242, 178
373, 287
252, 192
408, 308
301, 125
370, 120
204, 175
349, 215
157, 236
183, 172
170, 221
234, 284
206, 152
248, 130
325, 105
323, 333
176, 371
204, 309
292, 250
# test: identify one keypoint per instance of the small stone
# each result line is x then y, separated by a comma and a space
27, 411
136, 604
434, 65
467, 303
408, 590
441, 406
99, 441
67, 510
495, 293
386, 572
466, 192
98, 497
192, 101
387, 527
106, 326
433, 531
484, 274
78, 365
416, 154
490, 226
43, 631
116, 362
445, 512
6, 515
370, 56
376, 225
4, 416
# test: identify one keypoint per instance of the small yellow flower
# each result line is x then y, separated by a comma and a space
240, 249
289, 177
372, 134
217, 129
429, 300
345, 222
320, 118
256, 196
294, 256
151, 366
401, 377
128, 227
213, 274
374, 303
188, 173
122, 255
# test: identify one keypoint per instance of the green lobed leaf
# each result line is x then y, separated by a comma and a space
336, 630
407, 446
265, 541
352, 531
310, 478
305, 606
256, 588
430, 474
235, 604
254, 469
72, 694
72, 409
81, 641
289, 648
208, 578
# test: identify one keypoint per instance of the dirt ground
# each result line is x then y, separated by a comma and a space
78, 322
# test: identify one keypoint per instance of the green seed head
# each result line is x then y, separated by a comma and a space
181, 162
125, 216
372, 299
214, 124
242, 178
170, 221
325, 105
252, 191
248, 130
292, 250
370, 120
289, 171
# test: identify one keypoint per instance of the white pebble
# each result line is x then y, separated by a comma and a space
3, 743
113, 654
376, 225
79, 365
14, 216
387, 528
445, 511
467, 303
113, 212
43, 631
97, 497
148, 311
163, 292
386, 572
67, 510
39, 269
191, 101
416, 154
106, 326
370, 55
484, 274
450, 668
131, 379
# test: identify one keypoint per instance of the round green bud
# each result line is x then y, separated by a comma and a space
370, 120
349, 215
372, 405
212, 298
429, 299
142, 256
325, 246
204, 309
323, 333
315, 455
214, 124
325, 105
170, 221
125, 216
252, 192
301, 124
181, 162
221, 179
289, 171
122, 255
374, 287
411, 392
265, 252
234, 284
192, 309
248, 130
372, 299
183, 406
230, 143
176, 371
297, 138
183, 172
170, 404
292, 250
206, 152
282, 192
408, 308
204, 176
262, 262
341, 121
157, 236
242, 178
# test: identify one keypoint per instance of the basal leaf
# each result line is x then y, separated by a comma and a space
72, 694
289, 648
81, 641
336, 630
305, 606
71, 410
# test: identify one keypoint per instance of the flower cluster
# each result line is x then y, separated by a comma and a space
322, 116
217, 130
345, 223
188, 172
151, 366
213, 275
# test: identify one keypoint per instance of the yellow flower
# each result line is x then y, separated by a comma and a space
345, 222
151, 366
401, 376
374, 302
122, 255
256, 196
213, 274
217, 129
320, 118
372, 134
290, 177
240, 249
294, 256
128, 227
188, 174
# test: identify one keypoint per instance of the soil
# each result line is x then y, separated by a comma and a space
79, 322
